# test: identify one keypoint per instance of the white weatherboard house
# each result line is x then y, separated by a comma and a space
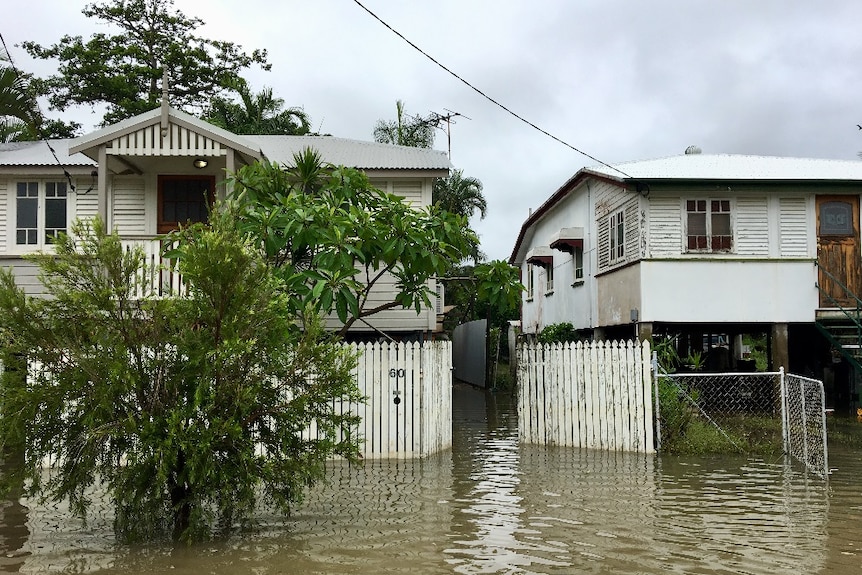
148, 173
706, 248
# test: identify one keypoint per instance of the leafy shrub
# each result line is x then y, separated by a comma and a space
558, 333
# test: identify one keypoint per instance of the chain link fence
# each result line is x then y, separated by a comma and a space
805, 422
763, 412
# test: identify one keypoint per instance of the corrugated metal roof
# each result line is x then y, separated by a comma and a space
38, 154
338, 151
735, 167
353, 153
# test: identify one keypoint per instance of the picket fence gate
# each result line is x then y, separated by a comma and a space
408, 407
594, 395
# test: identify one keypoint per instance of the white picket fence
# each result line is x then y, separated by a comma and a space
408, 391
594, 395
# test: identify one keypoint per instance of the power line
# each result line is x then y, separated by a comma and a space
486, 96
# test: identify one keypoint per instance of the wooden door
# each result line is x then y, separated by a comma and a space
838, 250
184, 200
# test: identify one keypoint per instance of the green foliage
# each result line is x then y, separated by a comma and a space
124, 70
405, 130
18, 110
558, 333
757, 344
666, 353
333, 237
460, 195
686, 431
695, 360
188, 410
463, 196
677, 414
498, 284
260, 113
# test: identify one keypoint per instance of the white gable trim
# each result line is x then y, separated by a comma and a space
145, 130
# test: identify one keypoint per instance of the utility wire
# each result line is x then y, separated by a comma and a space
486, 96
38, 115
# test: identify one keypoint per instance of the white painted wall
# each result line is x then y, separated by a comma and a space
568, 301
728, 291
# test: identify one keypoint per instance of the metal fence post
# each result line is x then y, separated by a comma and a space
785, 417
657, 408
804, 424
823, 427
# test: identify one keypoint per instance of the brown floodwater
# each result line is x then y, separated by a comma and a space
491, 505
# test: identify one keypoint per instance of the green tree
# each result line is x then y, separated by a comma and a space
334, 237
405, 130
124, 70
463, 196
190, 410
18, 110
260, 113
460, 195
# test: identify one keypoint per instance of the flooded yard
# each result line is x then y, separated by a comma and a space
493, 506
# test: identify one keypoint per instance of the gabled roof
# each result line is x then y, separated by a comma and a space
699, 168
353, 153
39, 154
89, 143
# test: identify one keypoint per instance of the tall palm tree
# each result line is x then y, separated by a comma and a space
460, 195
260, 113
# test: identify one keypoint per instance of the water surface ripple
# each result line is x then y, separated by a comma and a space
491, 505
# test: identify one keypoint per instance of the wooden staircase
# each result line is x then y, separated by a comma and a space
842, 324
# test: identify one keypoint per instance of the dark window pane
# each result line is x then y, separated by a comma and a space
55, 214
27, 212
697, 224
721, 224
701, 205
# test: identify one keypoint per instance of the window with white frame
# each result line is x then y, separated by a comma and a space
530, 284
40, 212
617, 236
549, 278
708, 226
578, 263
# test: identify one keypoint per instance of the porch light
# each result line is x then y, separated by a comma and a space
200, 163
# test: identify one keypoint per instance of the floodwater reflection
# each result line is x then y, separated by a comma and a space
493, 506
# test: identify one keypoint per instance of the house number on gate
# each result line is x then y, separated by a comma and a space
396, 373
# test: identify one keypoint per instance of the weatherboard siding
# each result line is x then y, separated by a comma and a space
752, 227
665, 227
611, 200
793, 229
129, 213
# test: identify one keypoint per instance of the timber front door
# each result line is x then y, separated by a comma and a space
184, 200
838, 250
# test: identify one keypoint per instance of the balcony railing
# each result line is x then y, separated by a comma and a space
159, 276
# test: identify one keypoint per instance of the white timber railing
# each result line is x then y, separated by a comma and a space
595, 395
159, 276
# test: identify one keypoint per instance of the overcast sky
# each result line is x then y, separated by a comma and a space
620, 80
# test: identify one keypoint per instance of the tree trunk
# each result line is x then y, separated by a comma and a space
180, 497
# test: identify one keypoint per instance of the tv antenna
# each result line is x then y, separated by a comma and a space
448, 119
